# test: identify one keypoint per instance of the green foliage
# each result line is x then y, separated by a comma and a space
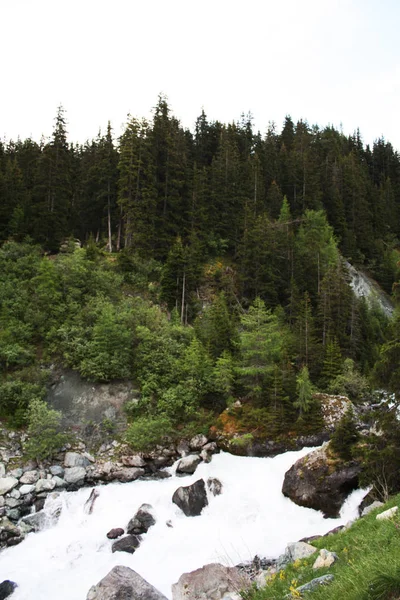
44, 430
304, 389
350, 382
380, 456
16, 396
260, 345
145, 433
345, 435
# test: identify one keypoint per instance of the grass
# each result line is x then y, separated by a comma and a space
368, 567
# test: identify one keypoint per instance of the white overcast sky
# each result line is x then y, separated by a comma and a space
327, 61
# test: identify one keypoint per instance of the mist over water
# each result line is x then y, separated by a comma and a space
250, 517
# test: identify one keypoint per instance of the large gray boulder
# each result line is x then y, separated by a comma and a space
122, 583
321, 482
74, 475
191, 499
142, 521
188, 464
213, 581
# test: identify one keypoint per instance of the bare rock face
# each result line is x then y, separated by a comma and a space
316, 481
192, 498
7, 587
122, 583
213, 581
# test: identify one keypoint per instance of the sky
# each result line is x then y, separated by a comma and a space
330, 62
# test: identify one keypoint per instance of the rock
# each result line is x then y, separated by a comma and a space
318, 482
60, 483
188, 464
15, 494
122, 583
127, 474
214, 485
17, 473
74, 475
7, 587
133, 461
13, 513
325, 559
7, 484
45, 485
13, 502
57, 471
299, 550
142, 521
29, 477
192, 498
74, 459
8, 530
37, 521
183, 448
129, 543
198, 441
2, 501
89, 504
2, 470
212, 581
314, 583
388, 514
371, 507
115, 533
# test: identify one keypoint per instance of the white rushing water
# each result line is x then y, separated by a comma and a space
250, 517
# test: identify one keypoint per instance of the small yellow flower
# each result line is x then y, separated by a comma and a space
281, 575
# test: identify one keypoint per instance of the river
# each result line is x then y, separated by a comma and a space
250, 517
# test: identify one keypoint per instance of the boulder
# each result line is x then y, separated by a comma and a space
129, 543
126, 474
198, 441
75, 475
371, 507
37, 521
388, 514
7, 587
192, 498
7, 484
115, 533
45, 485
29, 477
313, 584
188, 464
214, 485
133, 461
122, 583
299, 550
213, 581
319, 482
57, 470
142, 521
74, 459
8, 530
325, 558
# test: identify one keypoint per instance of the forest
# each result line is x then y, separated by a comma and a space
207, 266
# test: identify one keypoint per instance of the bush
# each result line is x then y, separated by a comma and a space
345, 435
147, 432
44, 430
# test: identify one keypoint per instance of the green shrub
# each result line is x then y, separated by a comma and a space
147, 432
44, 430
345, 435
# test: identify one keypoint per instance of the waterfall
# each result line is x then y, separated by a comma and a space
250, 517
365, 287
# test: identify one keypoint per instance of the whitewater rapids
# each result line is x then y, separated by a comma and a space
250, 517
